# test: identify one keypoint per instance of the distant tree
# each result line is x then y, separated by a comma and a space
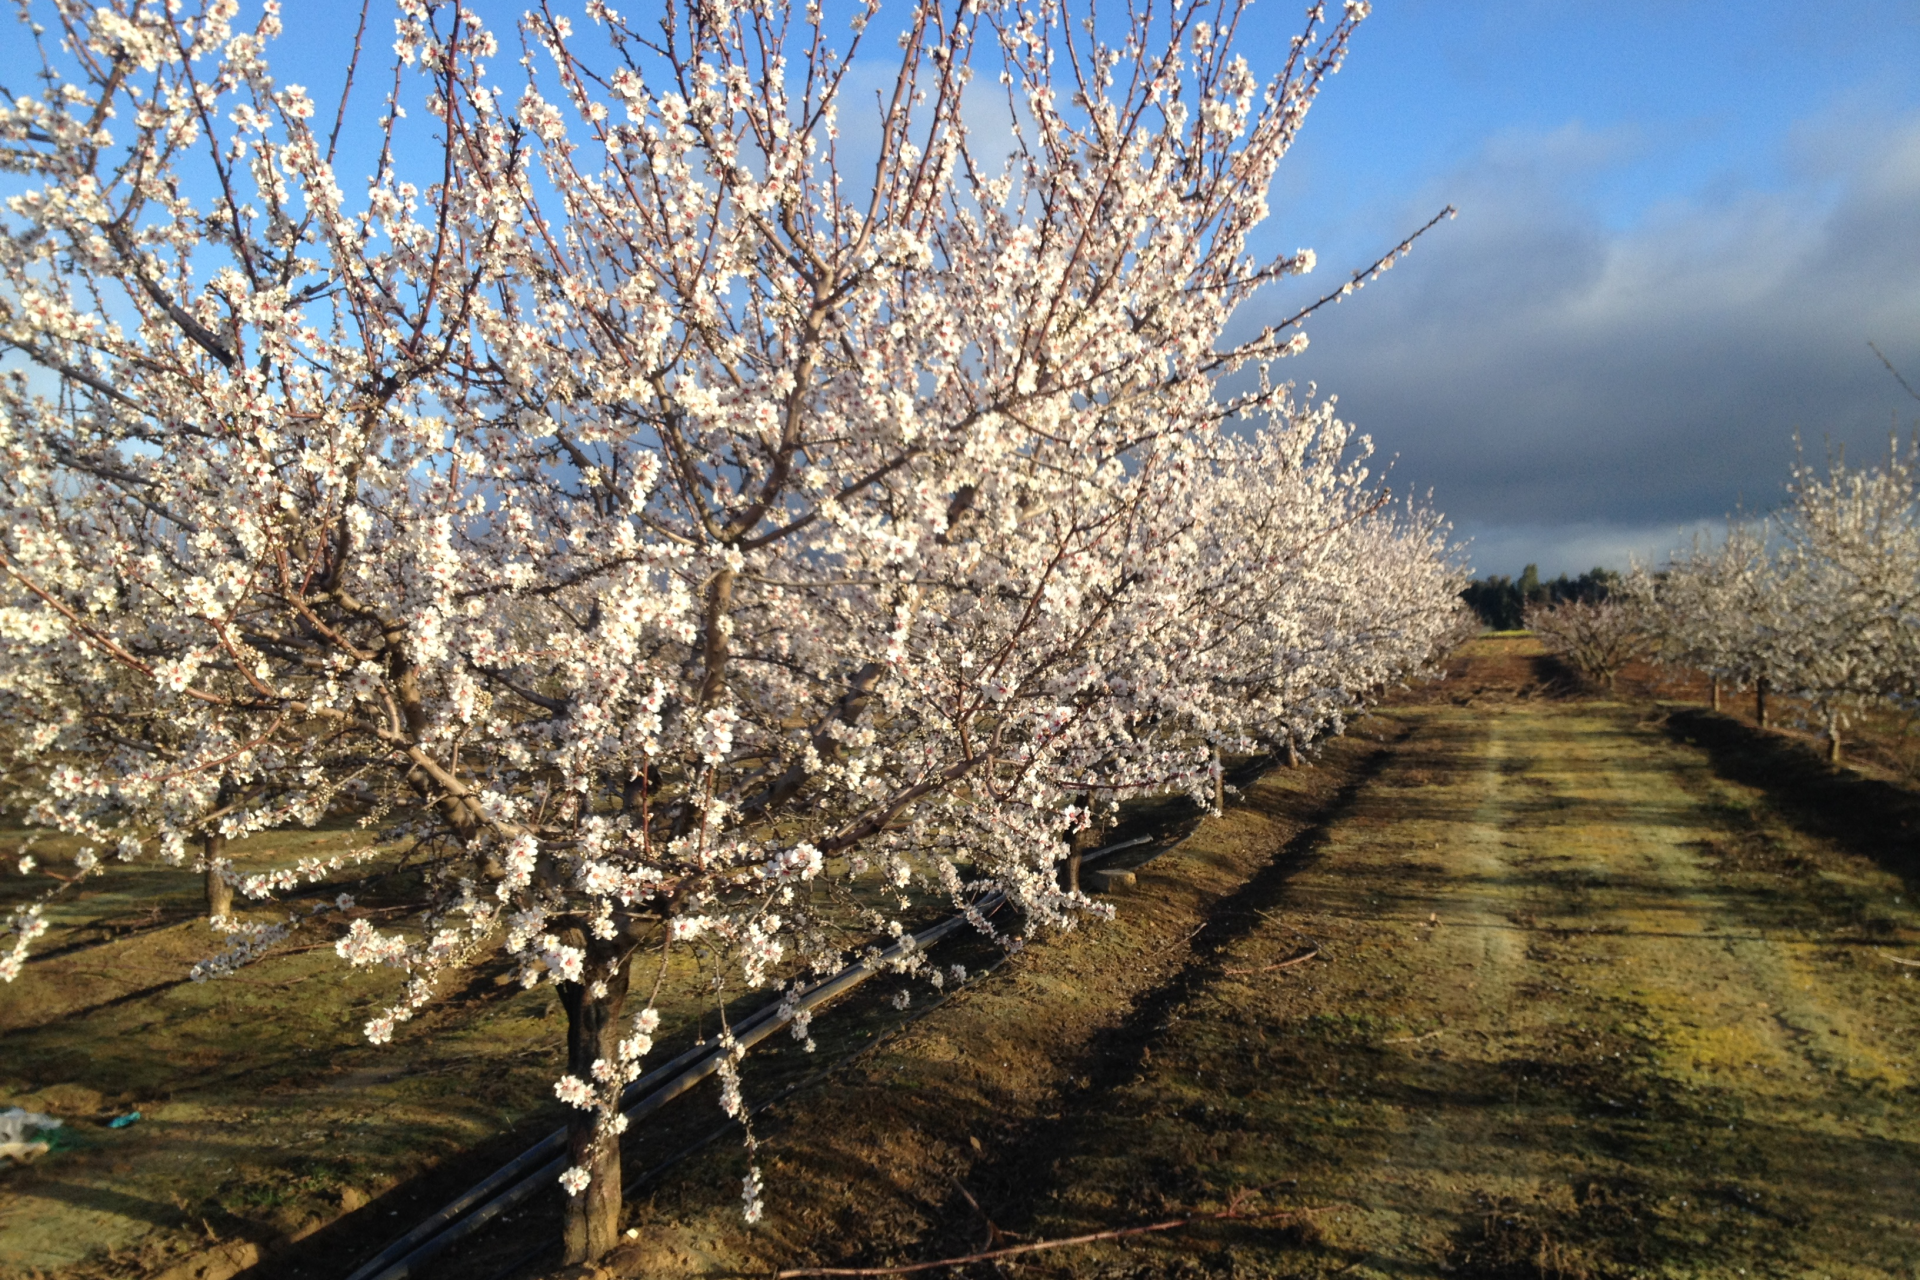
1850, 566
1496, 600
1822, 602
1720, 609
1501, 602
1597, 637
1593, 585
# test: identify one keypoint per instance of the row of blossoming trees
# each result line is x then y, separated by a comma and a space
1822, 602
647, 507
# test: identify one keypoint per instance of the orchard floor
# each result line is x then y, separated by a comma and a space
1583, 1006
1598, 989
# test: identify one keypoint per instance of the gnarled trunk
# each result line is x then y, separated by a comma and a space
1082, 843
1833, 737
592, 1223
1070, 869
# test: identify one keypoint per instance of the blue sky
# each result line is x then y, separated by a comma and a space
1680, 224
1679, 227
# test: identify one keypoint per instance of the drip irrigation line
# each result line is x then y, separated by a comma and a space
540, 1165
1085, 858
845, 1060
514, 1184
647, 1178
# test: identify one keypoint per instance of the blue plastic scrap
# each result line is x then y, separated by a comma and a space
121, 1122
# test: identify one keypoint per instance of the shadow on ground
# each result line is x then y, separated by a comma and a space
1872, 818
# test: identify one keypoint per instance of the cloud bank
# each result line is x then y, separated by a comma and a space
1599, 389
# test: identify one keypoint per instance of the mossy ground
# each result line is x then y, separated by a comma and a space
1602, 989
1585, 1006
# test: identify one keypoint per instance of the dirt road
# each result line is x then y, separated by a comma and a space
1597, 989
1557, 1034
1582, 1008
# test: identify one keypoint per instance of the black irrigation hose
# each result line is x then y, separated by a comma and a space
646, 1179
440, 1230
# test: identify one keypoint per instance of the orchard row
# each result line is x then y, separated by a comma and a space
677, 526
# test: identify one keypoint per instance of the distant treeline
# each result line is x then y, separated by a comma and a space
1500, 601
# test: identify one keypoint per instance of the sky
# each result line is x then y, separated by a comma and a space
1679, 227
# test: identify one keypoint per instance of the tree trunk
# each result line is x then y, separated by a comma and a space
592, 1222
1713, 685
1219, 785
1082, 843
213, 847
1833, 737
1293, 753
1760, 701
213, 851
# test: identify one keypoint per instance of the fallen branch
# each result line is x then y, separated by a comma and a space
1154, 955
1911, 964
992, 1255
1416, 1039
1288, 963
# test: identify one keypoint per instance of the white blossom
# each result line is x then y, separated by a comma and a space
579, 545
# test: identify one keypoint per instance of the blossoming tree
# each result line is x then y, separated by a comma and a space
641, 508
1850, 565
1597, 637
1717, 609
1821, 602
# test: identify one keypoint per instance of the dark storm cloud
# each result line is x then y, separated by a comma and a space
1586, 389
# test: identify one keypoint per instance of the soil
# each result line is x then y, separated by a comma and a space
1511, 981
1587, 1000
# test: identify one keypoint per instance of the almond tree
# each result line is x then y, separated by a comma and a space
644, 514
1822, 602
1850, 570
1719, 609
1315, 592
1597, 637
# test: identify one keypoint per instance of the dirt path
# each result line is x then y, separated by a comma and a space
1583, 1008
1559, 1032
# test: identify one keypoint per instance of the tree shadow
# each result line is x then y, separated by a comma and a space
1865, 816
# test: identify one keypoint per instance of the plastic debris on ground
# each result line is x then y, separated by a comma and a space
16, 1126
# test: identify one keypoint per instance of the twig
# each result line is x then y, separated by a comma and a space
1895, 372
1911, 964
994, 1233
1416, 1039
1305, 956
1153, 955
990, 1255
